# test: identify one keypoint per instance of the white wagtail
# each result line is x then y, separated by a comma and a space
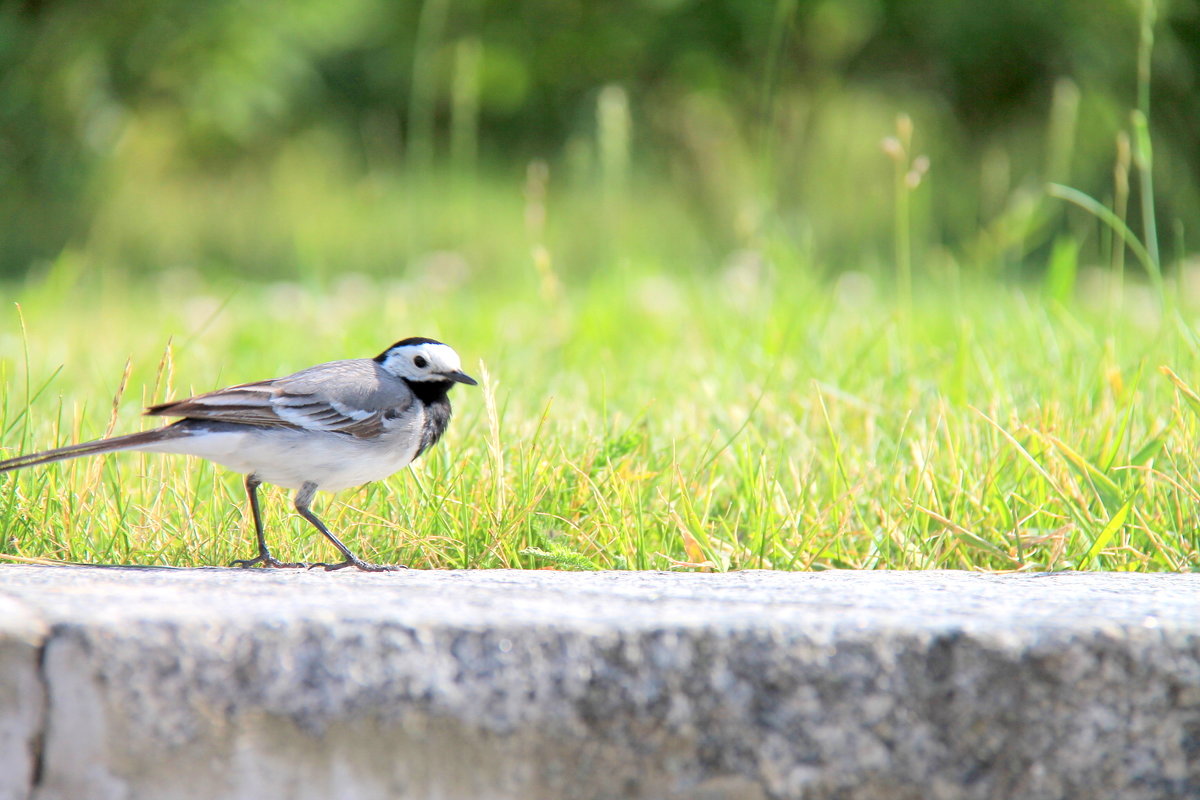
328, 428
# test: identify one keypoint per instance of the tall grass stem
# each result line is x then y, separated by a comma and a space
423, 95
1143, 154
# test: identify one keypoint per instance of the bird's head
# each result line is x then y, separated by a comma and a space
422, 360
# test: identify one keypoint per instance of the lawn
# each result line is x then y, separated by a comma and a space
745, 414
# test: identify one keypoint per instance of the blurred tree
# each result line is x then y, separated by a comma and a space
725, 95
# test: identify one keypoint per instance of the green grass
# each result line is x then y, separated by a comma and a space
643, 405
638, 419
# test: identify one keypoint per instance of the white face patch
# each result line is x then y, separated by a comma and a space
422, 362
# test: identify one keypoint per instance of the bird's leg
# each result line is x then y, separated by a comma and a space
264, 556
303, 500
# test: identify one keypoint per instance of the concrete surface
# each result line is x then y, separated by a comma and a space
214, 683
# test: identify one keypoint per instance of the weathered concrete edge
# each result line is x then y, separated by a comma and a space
23, 697
1055, 670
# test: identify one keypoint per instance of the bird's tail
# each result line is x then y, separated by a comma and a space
131, 441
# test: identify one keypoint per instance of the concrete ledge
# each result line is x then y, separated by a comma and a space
22, 698
213, 683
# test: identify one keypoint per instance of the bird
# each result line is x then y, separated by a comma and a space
326, 428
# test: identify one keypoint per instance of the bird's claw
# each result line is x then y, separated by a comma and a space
359, 564
268, 561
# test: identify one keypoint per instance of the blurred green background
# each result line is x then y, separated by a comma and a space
775, 284
309, 137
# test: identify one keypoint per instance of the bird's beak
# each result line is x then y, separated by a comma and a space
460, 377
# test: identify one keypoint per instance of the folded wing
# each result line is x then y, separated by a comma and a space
349, 397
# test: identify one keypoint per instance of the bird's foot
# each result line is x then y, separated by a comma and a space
268, 561
358, 564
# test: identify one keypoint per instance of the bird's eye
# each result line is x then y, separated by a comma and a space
420, 363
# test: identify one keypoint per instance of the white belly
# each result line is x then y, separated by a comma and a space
291, 458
